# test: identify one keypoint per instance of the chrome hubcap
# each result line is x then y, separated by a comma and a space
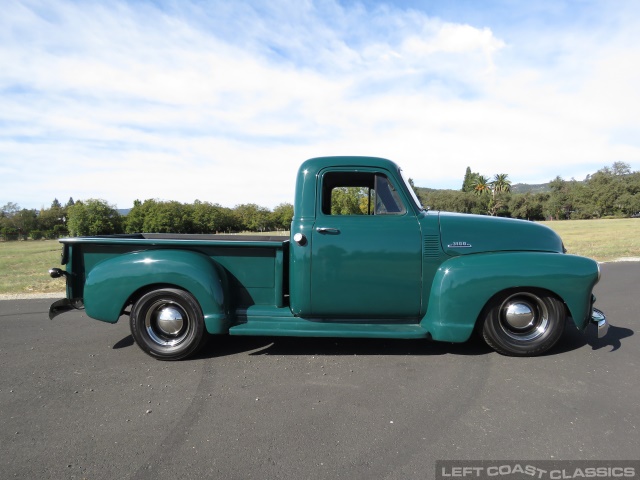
170, 321
524, 317
166, 323
519, 315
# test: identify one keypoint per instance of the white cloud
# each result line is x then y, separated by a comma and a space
131, 101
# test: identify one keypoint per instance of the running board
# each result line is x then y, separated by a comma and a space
287, 327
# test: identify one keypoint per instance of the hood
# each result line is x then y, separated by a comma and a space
463, 234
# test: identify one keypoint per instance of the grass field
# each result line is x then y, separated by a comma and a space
24, 265
602, 240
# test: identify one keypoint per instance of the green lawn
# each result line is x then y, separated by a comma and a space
602, 240
24, 265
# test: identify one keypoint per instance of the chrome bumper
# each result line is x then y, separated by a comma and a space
600, 320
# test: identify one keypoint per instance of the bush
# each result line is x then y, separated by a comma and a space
59, 231
9, 233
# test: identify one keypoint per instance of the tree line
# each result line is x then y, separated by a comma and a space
21, 223
98, 217
610, 192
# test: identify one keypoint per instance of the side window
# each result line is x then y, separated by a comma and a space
359, 193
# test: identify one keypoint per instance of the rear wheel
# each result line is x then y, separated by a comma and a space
168, 324
523, 323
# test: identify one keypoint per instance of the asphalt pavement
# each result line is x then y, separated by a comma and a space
79, 400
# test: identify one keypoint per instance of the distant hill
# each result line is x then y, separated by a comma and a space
124, 211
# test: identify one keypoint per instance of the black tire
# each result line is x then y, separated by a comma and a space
168, 324
523, 323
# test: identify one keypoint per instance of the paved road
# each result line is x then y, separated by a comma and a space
79, 400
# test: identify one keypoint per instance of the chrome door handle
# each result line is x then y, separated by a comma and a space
329, 230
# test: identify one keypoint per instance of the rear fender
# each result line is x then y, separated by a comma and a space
463, 285
111, 284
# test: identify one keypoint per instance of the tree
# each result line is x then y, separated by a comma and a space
559, 206
580, 198
93, 217
212, 218
469, 180
528, 206
253, 218
481, 185
167, 217
349, 201
17, 223
500, 185
629, 204
621, 168
49, 218
7, 226
134, 222
447, 200
281, 216
10, 209
25, 221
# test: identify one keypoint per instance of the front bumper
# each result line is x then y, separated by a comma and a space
600, 321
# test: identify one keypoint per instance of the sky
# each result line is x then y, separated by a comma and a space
221, 101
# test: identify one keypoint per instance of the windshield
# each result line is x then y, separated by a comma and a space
411, 191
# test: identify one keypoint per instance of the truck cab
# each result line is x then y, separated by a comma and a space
363, 262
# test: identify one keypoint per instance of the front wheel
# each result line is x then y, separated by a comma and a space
523, 323
168, 324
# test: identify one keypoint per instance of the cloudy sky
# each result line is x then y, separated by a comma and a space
222, 100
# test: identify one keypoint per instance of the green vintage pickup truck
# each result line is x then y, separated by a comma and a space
395, 270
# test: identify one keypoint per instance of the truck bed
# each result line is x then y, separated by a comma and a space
255, 266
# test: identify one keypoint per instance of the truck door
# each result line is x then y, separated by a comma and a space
366, 257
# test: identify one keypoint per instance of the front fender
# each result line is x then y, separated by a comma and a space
463, 285
111, 283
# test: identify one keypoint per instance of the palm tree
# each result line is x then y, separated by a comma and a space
501, 183
481, 185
